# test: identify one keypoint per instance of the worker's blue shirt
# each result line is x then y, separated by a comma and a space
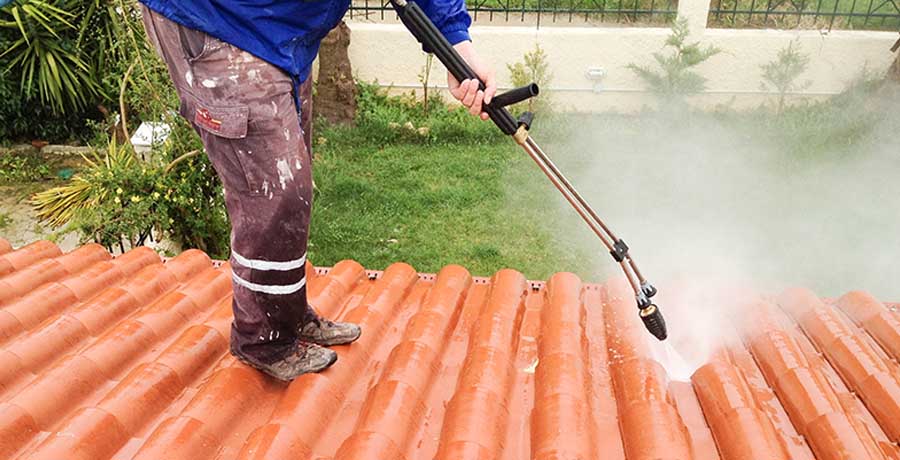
287, 33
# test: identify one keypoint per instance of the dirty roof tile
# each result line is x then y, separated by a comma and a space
4, 246
126, 357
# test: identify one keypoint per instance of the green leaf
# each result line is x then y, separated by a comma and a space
15, 12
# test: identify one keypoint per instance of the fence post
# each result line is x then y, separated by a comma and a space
696, 12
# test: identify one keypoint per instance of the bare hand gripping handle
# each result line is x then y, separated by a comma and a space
433, 41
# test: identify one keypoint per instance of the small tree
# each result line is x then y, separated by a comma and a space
676, 77
424, 77
782, 73
532, 68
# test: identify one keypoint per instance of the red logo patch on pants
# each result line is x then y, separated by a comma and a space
205, 119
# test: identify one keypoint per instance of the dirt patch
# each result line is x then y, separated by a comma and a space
18, 223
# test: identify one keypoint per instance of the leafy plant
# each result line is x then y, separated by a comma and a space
22, 168
5, 220
532, 69
382, 119
49, 64
676, 77
782, 73
120, 201
28, 119
192, 201
59, 205
63, 60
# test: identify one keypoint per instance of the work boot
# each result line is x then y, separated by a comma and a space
326, 333
304, 358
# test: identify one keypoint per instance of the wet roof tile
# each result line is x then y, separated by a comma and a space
126, 357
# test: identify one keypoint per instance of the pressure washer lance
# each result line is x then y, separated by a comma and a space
434, 42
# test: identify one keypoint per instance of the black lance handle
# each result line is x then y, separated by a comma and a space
434, 42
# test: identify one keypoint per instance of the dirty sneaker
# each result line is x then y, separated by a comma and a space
326, 333
305, 358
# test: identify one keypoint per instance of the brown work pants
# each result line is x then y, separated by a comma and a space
245, 112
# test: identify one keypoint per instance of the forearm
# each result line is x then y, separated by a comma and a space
450, 17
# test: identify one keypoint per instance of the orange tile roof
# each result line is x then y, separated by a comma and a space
126, 358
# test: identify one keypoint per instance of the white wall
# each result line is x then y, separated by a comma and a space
386, 52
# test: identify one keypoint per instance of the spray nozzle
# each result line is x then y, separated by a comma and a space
651, 316
654, 322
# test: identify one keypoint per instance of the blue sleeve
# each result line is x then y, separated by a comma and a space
450, 17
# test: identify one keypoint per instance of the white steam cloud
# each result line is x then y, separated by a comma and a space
707, 201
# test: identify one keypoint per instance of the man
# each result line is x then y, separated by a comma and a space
241, 70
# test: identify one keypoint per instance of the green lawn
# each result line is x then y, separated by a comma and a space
804, 198
435, 205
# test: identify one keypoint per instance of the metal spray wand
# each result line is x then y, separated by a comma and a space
434, 42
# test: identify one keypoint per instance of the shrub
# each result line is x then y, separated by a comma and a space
175, 195
63, 60
28, 119
532, 69
782, 73
47, 56
382, 118
26, 167
120, 201
676, 77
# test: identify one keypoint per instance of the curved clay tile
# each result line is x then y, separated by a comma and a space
809, 399
5, 246
27, 255
875, 318
127, 358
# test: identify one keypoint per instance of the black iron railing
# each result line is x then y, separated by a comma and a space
806, 14
779, 14
538, 12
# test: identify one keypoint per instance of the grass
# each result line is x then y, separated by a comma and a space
472, 198
429, 206
5, 221
23, 168
431, 190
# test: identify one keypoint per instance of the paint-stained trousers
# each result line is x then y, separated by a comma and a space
245, 112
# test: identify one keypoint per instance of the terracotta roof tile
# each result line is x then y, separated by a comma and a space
126, 358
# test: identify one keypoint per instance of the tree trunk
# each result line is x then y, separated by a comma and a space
335, 97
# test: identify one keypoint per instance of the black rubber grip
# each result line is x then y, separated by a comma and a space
433, 41
516, 95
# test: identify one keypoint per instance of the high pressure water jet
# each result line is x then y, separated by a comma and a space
434, 42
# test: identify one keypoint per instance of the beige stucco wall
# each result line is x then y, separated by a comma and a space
387, 53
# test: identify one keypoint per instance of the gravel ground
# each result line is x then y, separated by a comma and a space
18, 223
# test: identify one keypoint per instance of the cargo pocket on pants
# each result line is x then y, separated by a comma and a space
222, 128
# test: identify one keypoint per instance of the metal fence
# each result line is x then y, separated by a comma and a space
806, 14
538, 12
778, 14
